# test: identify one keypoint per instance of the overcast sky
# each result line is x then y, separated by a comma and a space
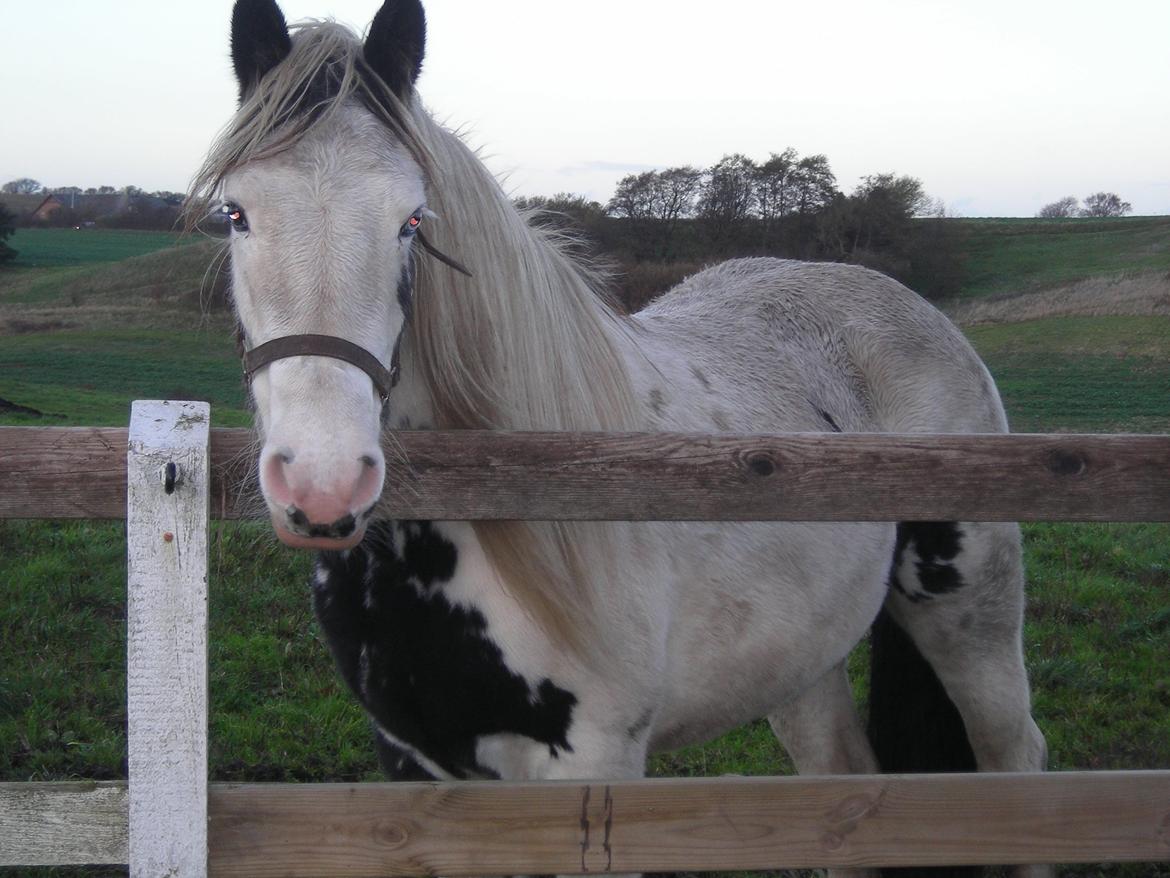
998, 106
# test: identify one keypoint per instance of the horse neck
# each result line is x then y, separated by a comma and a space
525, 342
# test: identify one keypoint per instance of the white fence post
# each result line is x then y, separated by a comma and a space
167, 513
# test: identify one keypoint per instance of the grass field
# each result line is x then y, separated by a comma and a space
1098, 622
1006, 256
55, 248
90, 377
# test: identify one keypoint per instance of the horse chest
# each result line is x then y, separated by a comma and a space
424, 667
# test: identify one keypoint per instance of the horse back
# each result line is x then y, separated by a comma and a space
811, 346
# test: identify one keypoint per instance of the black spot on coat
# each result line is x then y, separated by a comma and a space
425, 669
937, 544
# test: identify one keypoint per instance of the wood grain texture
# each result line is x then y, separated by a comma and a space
76, 473
166, 633
694, 824
727, 823
60, 824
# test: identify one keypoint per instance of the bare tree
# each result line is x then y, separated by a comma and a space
633, 196
816, 185
1105, 204
672, 197
727, 198
23, 186
1065, 207
775, 189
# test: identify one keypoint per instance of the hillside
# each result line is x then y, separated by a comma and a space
95, 319
1008, 257
155, 321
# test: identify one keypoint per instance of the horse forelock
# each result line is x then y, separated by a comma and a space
324, 72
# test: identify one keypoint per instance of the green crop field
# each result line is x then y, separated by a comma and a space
91, 377
1018, 256
79, 343
54, 248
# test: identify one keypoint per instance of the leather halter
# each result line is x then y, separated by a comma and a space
324, 346
312, 345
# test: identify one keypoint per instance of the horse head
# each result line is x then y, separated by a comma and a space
325, 220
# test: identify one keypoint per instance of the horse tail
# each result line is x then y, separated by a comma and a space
913, 725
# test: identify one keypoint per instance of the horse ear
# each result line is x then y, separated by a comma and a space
394, 46
260, 41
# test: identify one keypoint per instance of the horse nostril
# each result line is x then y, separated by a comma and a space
296, 516
368, 461
343, 527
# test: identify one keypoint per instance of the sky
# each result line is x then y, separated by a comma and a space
997, 106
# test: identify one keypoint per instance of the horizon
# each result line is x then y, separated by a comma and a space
995, 121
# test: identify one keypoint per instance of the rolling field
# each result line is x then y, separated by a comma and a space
56, 248
1097, 637
1013, 256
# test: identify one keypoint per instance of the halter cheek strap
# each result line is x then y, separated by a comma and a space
309, 345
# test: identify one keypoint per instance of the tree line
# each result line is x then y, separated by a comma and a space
29, 186
1099, 204
786, 205
127, 207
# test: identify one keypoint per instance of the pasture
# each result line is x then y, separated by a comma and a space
1013, 256
55, 248
1098, 624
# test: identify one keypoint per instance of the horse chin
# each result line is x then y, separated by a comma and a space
325, 544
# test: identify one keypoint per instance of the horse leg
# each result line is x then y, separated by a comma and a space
821, 729
957, 591
822, 732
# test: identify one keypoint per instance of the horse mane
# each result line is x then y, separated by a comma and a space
527, 342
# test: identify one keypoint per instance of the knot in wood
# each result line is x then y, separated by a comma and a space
761, 463
390, 834
832, 841
1065, 463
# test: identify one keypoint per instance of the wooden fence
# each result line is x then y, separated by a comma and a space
169, 471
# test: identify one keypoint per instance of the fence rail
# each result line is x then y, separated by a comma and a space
155, 823
378, 829
453, 475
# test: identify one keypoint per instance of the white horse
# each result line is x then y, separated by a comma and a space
574, 650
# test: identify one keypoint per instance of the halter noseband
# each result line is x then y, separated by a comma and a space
309, 344
324, 346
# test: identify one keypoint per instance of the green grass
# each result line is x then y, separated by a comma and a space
1093, 374
90, 378
278, 712
54, 248
1097, 640
1014, 256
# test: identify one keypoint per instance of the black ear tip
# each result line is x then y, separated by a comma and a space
257, 16
396, 43
259, 41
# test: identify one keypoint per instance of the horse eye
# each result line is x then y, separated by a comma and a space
236, 215
411, 225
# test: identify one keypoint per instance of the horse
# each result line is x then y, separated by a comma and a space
383, 281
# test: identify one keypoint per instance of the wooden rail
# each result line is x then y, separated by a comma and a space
156, 822
81, 473
456, 829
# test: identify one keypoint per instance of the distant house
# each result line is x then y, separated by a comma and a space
20, 206
96, 207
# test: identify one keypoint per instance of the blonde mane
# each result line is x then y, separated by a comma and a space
525, 343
